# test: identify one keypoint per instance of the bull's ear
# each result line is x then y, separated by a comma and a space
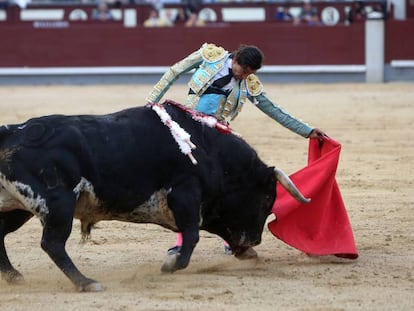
265, 176
270, 180
271, 174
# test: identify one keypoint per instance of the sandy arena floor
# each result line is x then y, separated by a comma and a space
374, 123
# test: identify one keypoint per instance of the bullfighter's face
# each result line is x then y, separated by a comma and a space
241, 72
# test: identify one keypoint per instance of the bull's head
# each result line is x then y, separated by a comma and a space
242, 211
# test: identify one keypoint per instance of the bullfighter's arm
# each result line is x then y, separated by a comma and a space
172, 74
256, 95
278, 114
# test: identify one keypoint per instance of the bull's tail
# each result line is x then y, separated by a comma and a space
288, 184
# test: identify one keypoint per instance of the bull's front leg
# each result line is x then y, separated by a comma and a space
180, 260
57, 228
184, 200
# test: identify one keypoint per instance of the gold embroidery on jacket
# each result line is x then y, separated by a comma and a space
253, 84
213, 53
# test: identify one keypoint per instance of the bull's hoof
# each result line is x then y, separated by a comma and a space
13, 277
169, 264
91, 287
228, 250
249, 253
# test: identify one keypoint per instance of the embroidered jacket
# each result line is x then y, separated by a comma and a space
224, 104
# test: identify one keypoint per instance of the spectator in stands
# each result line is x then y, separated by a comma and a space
154, 20
193, 20
181, 17
193, 7
308, 15
221, 84
283, 14
378, 12
102, 12
357, 13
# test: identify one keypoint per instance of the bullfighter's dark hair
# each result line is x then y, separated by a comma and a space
249, 56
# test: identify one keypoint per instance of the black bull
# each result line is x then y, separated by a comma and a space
126, 166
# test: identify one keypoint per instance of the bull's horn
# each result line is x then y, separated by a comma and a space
287, 183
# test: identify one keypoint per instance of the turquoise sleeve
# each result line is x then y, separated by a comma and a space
278, 114
172, 74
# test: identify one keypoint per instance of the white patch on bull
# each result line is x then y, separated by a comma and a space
84, 185
8, 202
24, 194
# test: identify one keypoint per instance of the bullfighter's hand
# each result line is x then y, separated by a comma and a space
317, 133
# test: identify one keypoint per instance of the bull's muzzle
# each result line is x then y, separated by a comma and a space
244, 240
244, 249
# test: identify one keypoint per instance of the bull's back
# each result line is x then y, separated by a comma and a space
132, 151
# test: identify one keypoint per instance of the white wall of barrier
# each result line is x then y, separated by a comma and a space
374, 50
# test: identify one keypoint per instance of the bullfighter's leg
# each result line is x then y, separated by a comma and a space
184, 200
9, 222
57, 228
